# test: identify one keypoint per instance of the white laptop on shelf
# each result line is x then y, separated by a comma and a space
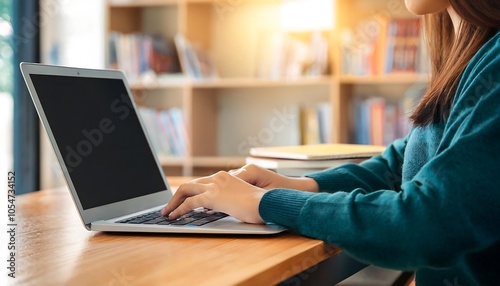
111, 170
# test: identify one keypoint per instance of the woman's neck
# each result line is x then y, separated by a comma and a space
455, 18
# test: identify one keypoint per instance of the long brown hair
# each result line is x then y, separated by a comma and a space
451, 53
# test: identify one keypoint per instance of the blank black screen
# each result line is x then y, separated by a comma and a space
99, 136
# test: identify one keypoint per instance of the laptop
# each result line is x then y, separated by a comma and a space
112, 172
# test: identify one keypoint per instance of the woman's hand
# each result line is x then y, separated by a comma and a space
266, 179
221, 192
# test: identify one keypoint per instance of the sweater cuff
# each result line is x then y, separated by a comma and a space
283, 206
332, 180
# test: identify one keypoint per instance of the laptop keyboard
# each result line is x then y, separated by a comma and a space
196, 217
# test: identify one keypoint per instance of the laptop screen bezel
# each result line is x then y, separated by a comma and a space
107, 211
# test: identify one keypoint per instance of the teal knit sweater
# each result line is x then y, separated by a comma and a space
430, 203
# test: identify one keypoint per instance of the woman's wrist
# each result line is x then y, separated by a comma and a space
305, 184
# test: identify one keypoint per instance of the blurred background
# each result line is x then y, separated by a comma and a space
213, 79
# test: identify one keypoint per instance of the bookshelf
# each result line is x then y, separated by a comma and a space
239, 109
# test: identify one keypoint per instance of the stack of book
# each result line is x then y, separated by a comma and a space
305, 159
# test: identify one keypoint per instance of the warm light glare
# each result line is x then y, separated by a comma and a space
307, 15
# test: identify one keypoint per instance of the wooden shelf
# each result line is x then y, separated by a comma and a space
146, 3
161, 83
172, 161
203, 161
219, 161
180, 82
260, 82
236, 4
213, 108
141, 3
229, 83
385, 79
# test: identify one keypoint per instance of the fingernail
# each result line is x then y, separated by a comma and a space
163, 212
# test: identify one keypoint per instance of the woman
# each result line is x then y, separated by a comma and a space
431, 202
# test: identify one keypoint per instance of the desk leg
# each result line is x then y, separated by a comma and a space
329, 272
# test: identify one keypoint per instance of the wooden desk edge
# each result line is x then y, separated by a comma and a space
273, 271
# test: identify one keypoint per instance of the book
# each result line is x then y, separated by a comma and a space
139, 55
324, 111
362, 130
310, 129
392, 47
318, 151
179, 125
297, 168
315, 123
287, 55
160, 55
283, 164
377, 120
405, 39
305, 159
380, 121
194, 62
166, 129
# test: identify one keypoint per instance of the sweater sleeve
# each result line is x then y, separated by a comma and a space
449, 209
379, 172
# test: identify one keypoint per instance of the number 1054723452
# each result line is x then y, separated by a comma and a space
11, 197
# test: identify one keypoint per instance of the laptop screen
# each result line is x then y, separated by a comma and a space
100, 138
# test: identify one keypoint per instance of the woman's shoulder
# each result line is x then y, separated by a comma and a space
488, 54
483, 68
480, 82
492, 46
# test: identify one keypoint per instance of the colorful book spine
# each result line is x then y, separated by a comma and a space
394, 47
379, 122
139, 54
316, 124
166, 130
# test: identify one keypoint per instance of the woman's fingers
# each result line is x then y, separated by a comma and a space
187, 205
220, 192
184, 192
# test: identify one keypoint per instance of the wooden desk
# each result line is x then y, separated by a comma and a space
55, 249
